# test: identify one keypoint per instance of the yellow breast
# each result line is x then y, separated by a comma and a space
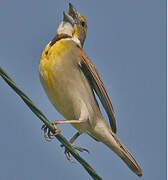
55, 75
52, 54
51, 57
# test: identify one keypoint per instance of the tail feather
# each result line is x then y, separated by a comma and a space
105, 135
128, 158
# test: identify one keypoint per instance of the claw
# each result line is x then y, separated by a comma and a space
80, 149
67, 153
47, 133
57, 130
75, 147
43, 126
68, 156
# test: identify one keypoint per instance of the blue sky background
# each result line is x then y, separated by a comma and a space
126, 40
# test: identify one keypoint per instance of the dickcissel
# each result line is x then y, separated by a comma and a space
71, 80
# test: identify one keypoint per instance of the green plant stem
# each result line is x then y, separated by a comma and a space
40, 115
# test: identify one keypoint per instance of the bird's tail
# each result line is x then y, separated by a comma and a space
112, 141
127, 157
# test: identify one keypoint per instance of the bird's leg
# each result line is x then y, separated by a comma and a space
67, 121
47, 132
75, 147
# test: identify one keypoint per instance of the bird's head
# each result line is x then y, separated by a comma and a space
74, 25
80, 26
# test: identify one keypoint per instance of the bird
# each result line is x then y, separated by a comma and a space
71, 82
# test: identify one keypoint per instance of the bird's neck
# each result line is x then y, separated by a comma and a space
65, 28
65, 31
68, 30
77, 41
59, 37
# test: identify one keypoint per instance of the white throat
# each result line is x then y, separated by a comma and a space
65, 28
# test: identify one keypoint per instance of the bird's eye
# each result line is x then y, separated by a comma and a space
83, 23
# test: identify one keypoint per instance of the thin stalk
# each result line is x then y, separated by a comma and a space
41, 116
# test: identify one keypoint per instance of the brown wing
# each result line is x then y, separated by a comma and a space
97, 85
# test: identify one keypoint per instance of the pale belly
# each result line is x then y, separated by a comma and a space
70, 93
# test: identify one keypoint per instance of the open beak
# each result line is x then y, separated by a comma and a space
68, 18
71, 16
72, 11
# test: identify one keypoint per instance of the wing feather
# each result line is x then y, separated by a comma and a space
97, 85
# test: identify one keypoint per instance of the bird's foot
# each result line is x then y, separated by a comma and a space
67, 152
47, 132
